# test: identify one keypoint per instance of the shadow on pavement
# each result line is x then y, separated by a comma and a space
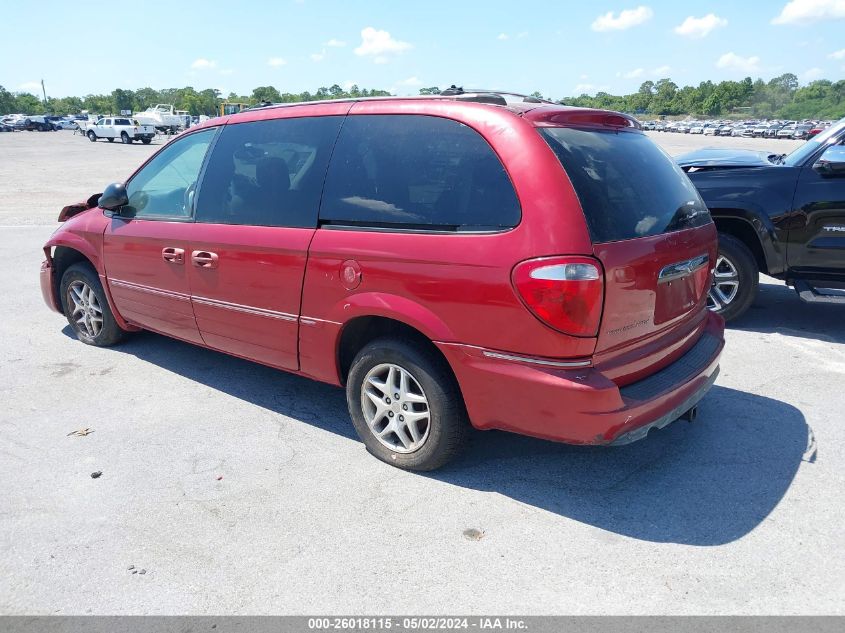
706, 483
778, 309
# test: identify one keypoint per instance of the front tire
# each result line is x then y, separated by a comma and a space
735, 278
91, 136
406, 406
110, 139
87, 309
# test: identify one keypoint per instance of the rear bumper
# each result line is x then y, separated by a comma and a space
47, 288
581, 405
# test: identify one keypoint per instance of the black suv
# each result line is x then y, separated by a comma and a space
780, 214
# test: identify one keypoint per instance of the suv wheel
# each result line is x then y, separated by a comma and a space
87, 309
124, 138
91, 136
735, 278
406, 405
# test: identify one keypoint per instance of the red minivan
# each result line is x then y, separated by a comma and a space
454, 261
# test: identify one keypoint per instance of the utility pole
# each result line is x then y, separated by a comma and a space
44, 92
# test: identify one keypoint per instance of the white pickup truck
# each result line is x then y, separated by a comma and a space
127, 130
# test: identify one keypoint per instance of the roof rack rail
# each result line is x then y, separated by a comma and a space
489, 96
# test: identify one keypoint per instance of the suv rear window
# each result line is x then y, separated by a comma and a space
628, 187
416, 172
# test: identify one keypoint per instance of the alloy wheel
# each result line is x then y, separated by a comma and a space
395, 408
725, 284
86, 310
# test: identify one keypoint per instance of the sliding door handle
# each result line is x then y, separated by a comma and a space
173, 255
204, 259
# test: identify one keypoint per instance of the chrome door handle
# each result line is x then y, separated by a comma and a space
173, 255
204, 259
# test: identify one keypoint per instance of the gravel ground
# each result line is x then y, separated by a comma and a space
239, 489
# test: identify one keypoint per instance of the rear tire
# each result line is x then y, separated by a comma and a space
146, 141
86, 307
124, 138
735, 280
110, 139
91, 136
428, 395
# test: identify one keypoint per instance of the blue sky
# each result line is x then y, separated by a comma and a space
559, 48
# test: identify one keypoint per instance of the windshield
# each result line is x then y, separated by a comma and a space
628, 187
801, 154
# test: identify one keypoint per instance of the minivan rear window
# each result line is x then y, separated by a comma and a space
628, 187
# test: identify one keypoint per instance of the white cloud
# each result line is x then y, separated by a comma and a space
333, 43
700, 27
203, 64
661, 70
318, 57
840, 54
503, 36
275, 62
811, 74
522, 35
809, 11
633, 74
580, 89
379, 45
732, 61
30, 86
625, 20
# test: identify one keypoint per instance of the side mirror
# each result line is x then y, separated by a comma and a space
113, 197
829, 168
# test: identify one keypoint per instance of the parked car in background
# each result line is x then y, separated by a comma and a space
816, 129
39, 123
772, 130
697, 128
801, 132
318, 238
780, 215
724, 130
127, 130
760, 129
66, 124
786, 131
710, 129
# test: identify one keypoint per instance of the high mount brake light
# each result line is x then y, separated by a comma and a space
566, 293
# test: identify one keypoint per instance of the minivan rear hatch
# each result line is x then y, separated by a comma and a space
650, 229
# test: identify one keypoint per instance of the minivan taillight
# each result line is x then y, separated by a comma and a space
565, 293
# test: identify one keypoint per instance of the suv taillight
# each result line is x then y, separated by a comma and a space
565, 293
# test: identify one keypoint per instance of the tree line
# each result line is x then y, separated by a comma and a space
196, 102
781, 97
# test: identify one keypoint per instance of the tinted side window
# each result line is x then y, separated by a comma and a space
411, 171
165, 186
268, 173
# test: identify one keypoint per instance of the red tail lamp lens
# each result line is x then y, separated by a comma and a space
565, 293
